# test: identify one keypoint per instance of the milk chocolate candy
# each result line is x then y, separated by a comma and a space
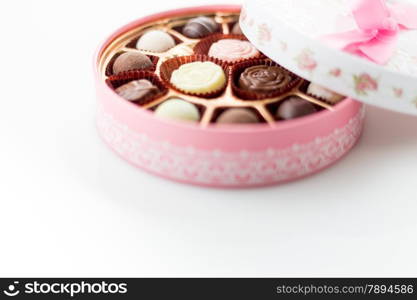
237, 116
294, 107
264, 79
199, 27
138, 90
131, 61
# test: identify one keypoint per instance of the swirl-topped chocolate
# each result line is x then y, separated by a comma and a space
264, 79
233, 50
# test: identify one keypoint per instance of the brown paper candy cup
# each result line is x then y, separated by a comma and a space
169, 66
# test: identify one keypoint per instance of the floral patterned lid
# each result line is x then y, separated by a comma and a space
320, 41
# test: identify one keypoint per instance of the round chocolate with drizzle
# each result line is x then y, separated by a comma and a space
199, 27
138, 91
264, 79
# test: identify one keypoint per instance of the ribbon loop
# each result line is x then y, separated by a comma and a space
378, 26
370, 14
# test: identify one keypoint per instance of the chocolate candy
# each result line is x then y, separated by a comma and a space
138, 90
199, 77
237, 116
236, 29
232, 50
200, 27
131, 61
264, 79
155, 41
178, 109
324, 93
295, 107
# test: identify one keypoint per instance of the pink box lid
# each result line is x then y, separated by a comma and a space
296, 35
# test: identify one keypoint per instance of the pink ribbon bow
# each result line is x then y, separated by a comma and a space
379, 24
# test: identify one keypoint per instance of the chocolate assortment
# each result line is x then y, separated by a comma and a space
202, 69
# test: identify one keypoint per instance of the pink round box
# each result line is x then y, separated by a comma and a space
235, 157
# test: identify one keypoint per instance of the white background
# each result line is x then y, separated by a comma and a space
70, 207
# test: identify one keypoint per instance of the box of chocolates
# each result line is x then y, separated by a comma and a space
197, 96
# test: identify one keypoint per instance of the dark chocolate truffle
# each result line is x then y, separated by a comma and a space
236, 29
131, 61
200, 27
295, 107
137, 90
264, 79
237, 116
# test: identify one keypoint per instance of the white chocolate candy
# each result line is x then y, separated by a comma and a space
199, 77
232, 50
155, 41
324, 93
177, 109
